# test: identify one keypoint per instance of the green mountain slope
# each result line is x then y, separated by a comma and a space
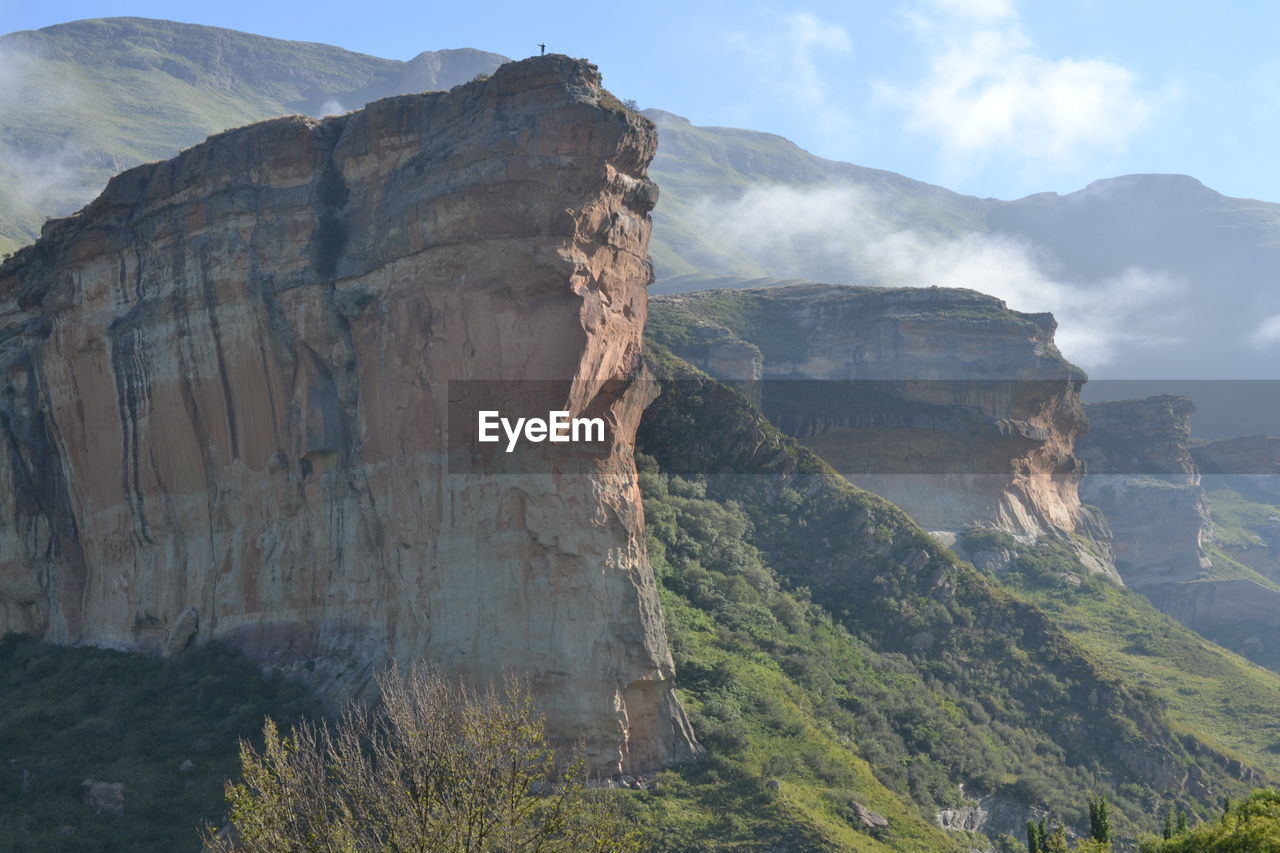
1018, 710
84, 100
1221, 697
72, 714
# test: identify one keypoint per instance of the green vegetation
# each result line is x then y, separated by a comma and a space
778, 694
1252, 826
997, 696
1237, 520
1226, 701
433, 766
71, 714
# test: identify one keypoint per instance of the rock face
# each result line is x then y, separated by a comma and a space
1249, 464
942, 400
1144, 474
226, 396
1143, 478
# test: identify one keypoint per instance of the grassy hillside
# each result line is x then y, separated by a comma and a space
992, 692
779, 693
84, 100
71, 714
1226, 700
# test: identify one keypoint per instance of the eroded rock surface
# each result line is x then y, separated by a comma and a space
226, 388
1250, 464
1143, 478
943, 400
1144, 474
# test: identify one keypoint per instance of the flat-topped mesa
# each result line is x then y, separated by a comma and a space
943, 400
226, 388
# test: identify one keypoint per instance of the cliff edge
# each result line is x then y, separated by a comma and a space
942, 400
226, 388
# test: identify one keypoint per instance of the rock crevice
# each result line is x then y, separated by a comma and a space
226, 396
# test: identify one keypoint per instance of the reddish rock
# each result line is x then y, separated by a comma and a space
226, 389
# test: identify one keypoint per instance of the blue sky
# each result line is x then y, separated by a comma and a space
990, 97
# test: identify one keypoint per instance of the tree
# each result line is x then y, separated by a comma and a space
1099, 821
1251, 826
1057, 841
1090, 845
1168, 823
1035, 840
434, 766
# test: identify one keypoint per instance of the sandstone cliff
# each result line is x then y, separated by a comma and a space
1249, 464
942, 400
1142, 476
226, 389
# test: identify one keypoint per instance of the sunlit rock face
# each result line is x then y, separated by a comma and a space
226, 394
943, 400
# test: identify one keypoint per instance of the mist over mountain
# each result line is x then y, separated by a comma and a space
82, 101
1150, 276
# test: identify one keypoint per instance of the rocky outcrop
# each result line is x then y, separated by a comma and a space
227, 388
1249, 464
990, 815
1250, 467
1144, 474
1143, 478
954, 407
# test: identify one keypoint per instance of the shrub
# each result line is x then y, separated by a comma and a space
434, 766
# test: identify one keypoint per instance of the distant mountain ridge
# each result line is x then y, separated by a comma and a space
1173, 276
1151, 276
84, 100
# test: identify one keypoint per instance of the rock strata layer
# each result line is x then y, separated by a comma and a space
1145, 475
943, 400
226, 386
1141, 475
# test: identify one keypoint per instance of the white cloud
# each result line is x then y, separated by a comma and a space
975, 9
989, 92
48, 177
332, 107
1267, 334
842, 234
788, 55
